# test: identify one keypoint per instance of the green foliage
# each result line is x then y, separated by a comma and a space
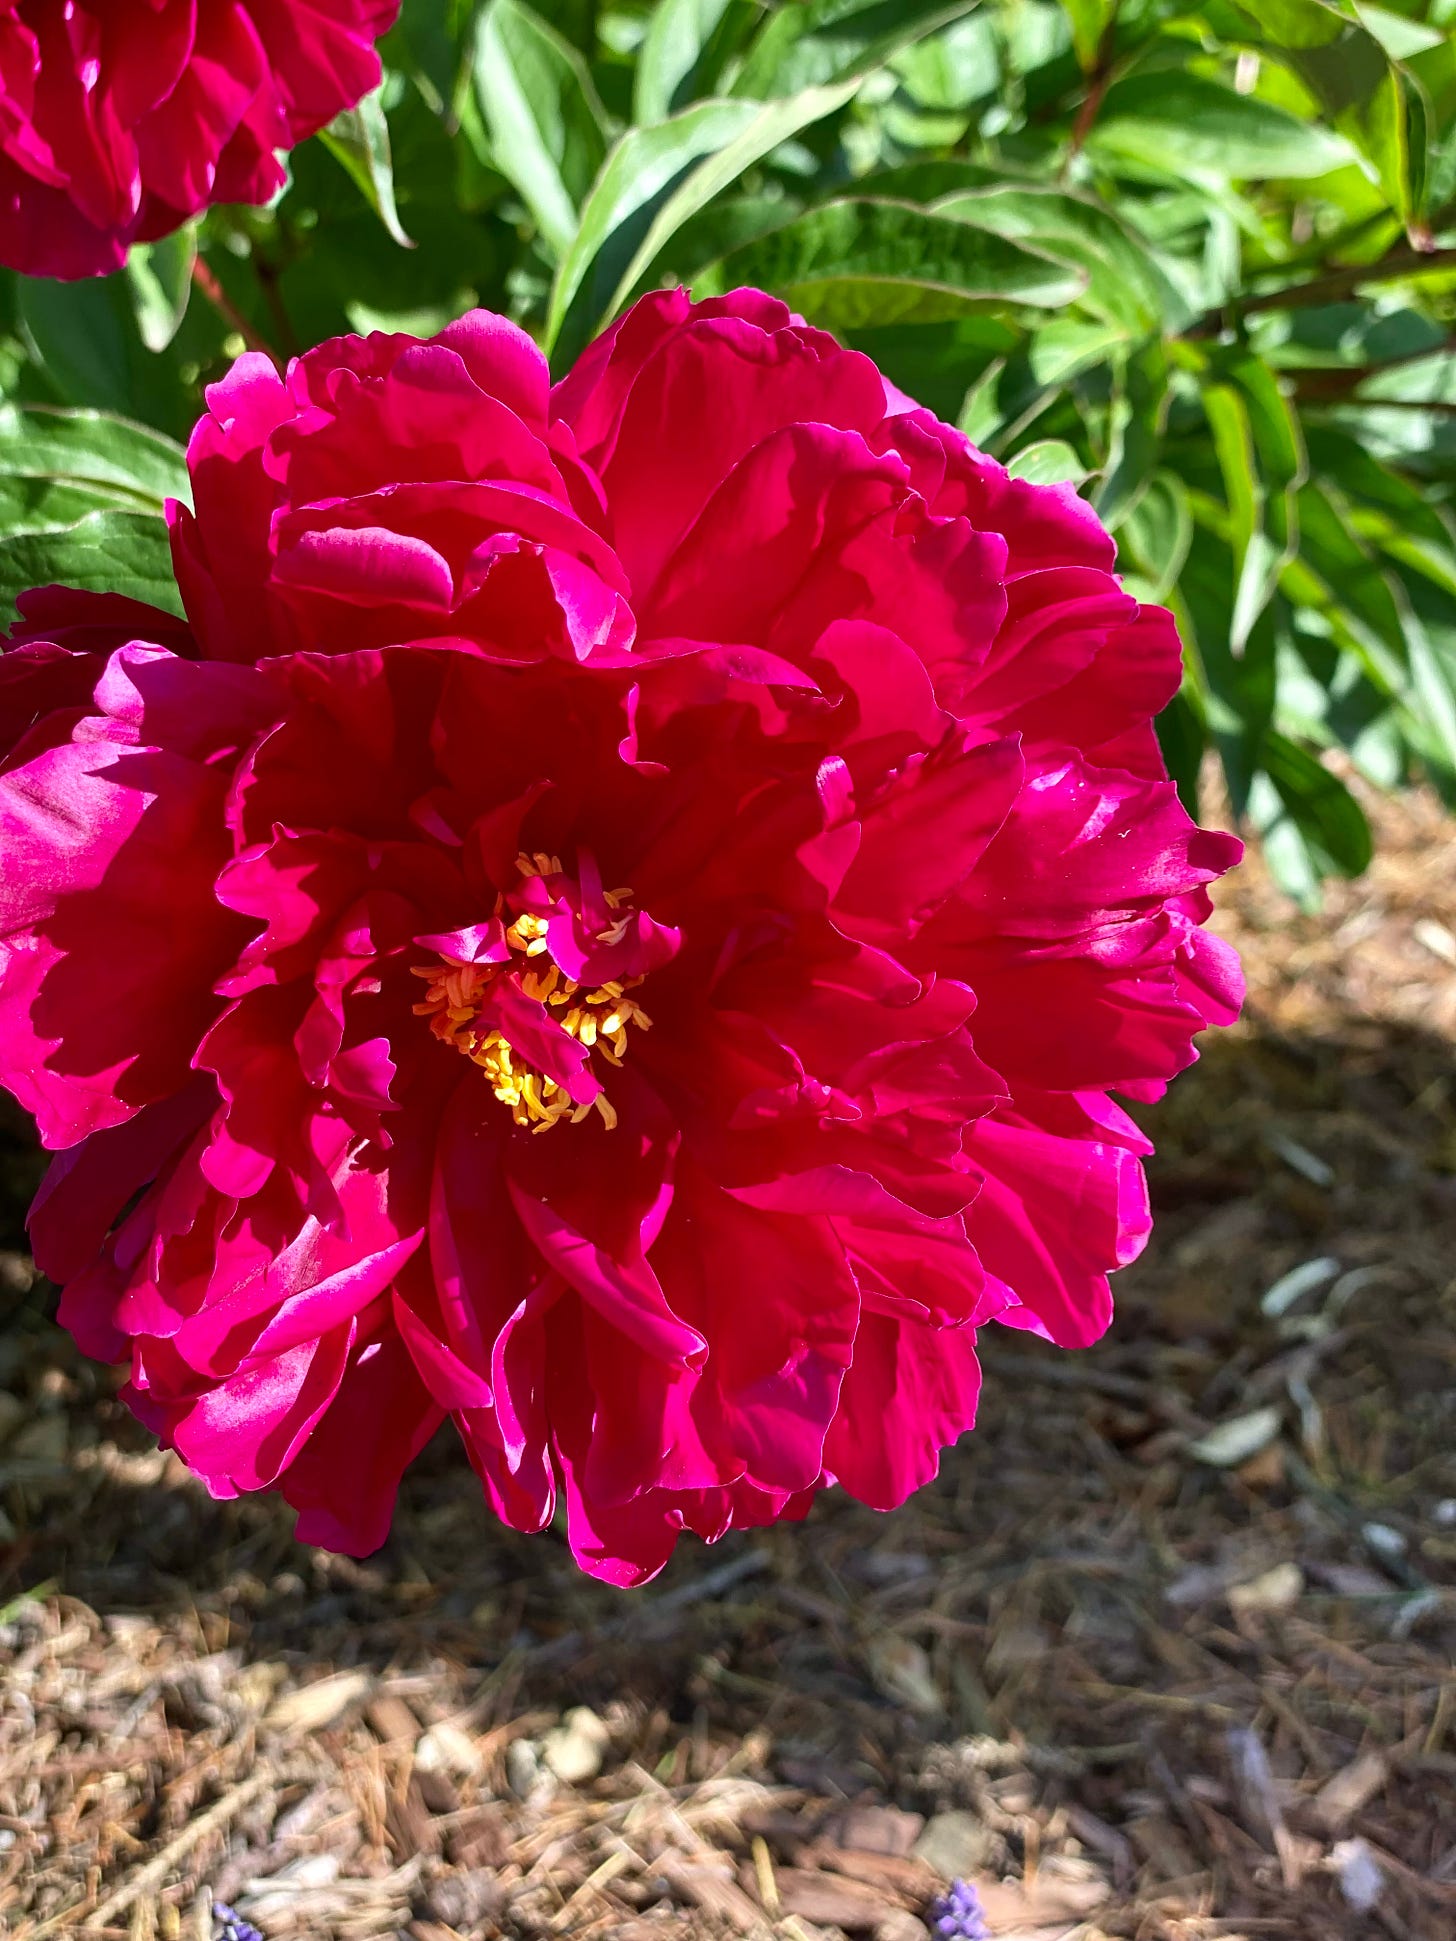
1197, 260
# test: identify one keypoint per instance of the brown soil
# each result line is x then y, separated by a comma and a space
1166, 1652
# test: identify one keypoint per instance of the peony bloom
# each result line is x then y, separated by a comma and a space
119, 119
620, 926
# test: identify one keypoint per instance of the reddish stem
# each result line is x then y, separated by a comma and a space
1098, 82
218, 297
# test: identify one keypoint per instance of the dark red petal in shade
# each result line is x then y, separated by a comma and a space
344, 1480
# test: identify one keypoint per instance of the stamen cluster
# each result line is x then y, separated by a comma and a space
458, 994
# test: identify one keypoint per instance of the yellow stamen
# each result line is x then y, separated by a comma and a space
597, 1019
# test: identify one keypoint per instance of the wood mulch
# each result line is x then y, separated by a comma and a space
1166, 1654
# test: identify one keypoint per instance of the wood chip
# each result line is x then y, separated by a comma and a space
310, 1707
713, 1888
832, 1899
867, 1827
1353, 1787
390, 1719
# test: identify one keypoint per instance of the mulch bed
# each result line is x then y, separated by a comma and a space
1165, 1653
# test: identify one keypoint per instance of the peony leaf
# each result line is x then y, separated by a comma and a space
1135, 426
824, 41
1329, 821
541, 113
86, 339
106, 552
683, 53
1051, 461
947, 72
1297, 23
638, 177
32, 505
1125, 284
653, 181
1260, 450
1431, 698
1158, 531
1183, 741
359, 140
159, 276
112, 459
1354, 62
857, 262
1090, 21
1180, 124
772, 124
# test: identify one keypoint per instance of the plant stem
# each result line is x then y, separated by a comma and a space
1332, 285
1098, 82
267, 274
217, 296
1332, 385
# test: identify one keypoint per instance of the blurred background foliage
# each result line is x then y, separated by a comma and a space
1198, 258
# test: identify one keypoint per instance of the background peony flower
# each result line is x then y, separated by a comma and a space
638, 965
120, 119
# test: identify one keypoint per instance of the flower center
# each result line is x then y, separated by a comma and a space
468, 1003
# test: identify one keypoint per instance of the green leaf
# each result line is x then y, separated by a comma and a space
949, 71
1135, 430
638, 177
816, 42
1059, 350
359, 140
1335, 455
653, 182
1361, 88
44, 505
1261, 457
84, 336
1296, 23
776, 122
541, 114
106, 552
1178, 123
980, 415
160, 279
1158, 532
683, 53
1432, 700
1182, 740
1328, 819
1124, 282
1051, 461
1090, 21
1335, 575
931, 362
853, 263
930, 180
1236, 693
92, 451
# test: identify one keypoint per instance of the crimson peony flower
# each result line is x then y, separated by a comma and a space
619, 926
119, 119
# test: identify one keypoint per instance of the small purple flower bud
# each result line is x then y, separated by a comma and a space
958, 1915
227, 1926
